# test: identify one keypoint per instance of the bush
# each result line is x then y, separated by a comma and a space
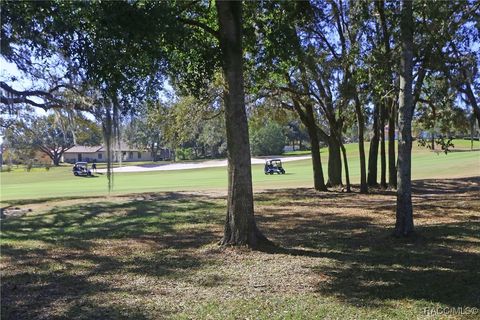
267, 140
29, 166
47, 166
7, 169
185, 154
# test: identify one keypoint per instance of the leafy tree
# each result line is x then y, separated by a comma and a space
44, 134
145, 129
268, 139
53, 134
437, 112
85, 131
212, 138
296, 132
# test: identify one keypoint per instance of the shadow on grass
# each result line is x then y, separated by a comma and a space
362, 263
158, 217
68, 273
368, 266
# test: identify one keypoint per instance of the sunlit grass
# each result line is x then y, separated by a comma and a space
59, 181
156, 256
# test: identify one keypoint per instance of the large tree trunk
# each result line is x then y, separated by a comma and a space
373, 151
240, 227
361, 146
383, 157
318, 179
392, 169
404, 215
334, 162
308, 119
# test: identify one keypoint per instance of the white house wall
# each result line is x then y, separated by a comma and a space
101, 156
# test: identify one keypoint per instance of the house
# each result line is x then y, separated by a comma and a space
123, 152
84, 153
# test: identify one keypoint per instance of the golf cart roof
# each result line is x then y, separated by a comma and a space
81, 163
274, 160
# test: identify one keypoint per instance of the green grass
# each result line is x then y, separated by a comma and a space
297, 153
465, 144
157, 257
59, 182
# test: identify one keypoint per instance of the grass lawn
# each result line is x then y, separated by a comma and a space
154, 256
466, 144
59, 182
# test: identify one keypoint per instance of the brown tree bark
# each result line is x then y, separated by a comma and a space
318, 178
404, 212
334, 161
373, 151
308, 119
361, 146
383, 156
392, 165
240, 226
345, 164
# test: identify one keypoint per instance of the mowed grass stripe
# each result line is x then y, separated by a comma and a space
59, 182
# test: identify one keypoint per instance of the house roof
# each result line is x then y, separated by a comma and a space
84, 149
123, 147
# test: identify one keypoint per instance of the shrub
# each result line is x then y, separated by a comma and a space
185, 154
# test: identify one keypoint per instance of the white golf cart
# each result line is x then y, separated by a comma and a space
81, 169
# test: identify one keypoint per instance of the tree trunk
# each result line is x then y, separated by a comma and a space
361, 147
473, 101
334, 162
240, 227
308, 119
309, 122
56, 159
373, 151
383, 157
392, 170
472, 130
345, 163
404, 214
434, 125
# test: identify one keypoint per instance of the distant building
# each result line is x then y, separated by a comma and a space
124, 152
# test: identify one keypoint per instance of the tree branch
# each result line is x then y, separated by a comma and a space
200, 25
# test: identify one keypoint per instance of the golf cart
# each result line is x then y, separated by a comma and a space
81, 169
274, 166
